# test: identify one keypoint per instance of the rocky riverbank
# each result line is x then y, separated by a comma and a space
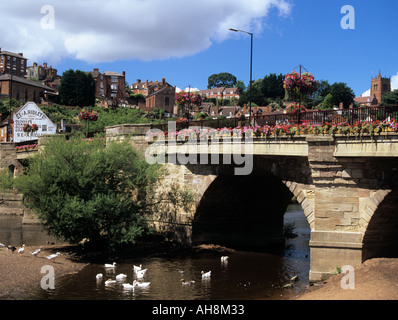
21, 273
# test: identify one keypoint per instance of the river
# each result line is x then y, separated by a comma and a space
246, 276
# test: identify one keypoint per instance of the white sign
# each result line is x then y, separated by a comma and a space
31, 114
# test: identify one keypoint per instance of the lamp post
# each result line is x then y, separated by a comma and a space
251, 69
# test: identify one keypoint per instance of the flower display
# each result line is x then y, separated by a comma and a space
358, 128
294, 83
193, 98
87, 115
30, 127
27, 147
295, 108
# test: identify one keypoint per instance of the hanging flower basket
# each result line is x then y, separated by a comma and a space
304, 84
30, 127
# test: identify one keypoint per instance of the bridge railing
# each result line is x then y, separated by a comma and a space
311, 117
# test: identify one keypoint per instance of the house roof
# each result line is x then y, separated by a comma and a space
13, 54
363, 99
8, 77
112, 73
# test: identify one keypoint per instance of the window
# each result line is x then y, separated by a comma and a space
114, 78
101, 84
167, 101
114, 86
44, 127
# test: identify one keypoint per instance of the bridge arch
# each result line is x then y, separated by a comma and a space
246, 211
379, 224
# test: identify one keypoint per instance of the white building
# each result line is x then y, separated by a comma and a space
30, 113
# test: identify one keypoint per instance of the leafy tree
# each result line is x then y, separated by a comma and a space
221, 80
342, 93
390, 98
272, 86
323, 89
327, 103
82, 190
77, 88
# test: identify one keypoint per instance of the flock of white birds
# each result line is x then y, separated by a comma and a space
35, 253
139, 274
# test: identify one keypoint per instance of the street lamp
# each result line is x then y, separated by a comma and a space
251, 68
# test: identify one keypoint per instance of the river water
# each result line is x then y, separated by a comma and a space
246, 276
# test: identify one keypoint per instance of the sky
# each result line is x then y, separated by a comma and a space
186, 41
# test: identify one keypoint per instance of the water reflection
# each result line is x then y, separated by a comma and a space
246, 276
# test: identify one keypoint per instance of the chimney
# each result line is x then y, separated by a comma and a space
45, 64
138, 81
124, 73
163, 81
20, 54
96, 70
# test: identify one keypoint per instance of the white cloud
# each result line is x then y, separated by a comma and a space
109, 30
366, 93
394, 82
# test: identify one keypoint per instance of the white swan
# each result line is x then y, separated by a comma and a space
187, 283
109, 282
108, 265
53, 256
128, 286
121, 277
22, 249
137, 268
36, 252
99, 276
206, 275
141, 284
140, 274
224, 259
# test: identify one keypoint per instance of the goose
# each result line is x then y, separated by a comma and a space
2, 245
128, 286
36, 252
137, 268
99, 276
11, 248
109, 282
22, 249
140, 274
53, 256
187, 283
121, 277
108, 265
206, 275
141, 284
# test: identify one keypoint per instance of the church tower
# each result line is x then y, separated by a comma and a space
379, 87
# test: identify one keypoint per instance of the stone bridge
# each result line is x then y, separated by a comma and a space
346, 186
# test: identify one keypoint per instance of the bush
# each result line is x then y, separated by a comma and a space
81, 189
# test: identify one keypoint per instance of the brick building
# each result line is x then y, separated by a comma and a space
220, 93
379, 86
12, 63
109, 84
159, 94
23, 89
44, 73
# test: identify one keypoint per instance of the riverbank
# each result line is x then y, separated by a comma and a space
375, 279
22, 273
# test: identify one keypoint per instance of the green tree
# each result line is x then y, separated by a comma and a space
390, 98
82, 190
342, 93
221, 80
327, 103
77, 88
272, 86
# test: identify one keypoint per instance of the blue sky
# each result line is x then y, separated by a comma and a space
186, 41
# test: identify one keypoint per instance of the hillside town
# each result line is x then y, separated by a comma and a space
22, 81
